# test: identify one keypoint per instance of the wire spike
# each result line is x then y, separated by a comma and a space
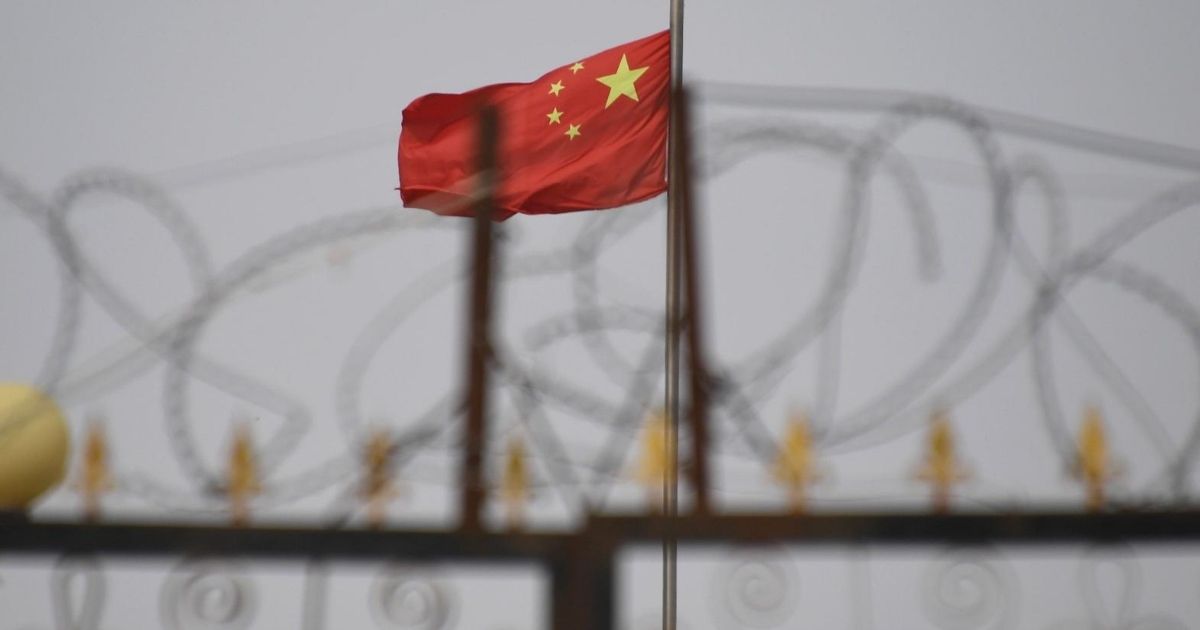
378, 486
515, 483
796, 465
1094, 465
243, 481
652, 467
941, 467
95, 477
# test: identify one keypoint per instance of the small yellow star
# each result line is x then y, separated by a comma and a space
572, 131
556, 87
554, 117
577, 67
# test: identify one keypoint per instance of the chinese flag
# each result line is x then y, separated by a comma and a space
588, 135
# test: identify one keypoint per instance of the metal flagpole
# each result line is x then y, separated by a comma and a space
673, 319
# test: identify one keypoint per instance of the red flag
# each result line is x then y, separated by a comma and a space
588, 135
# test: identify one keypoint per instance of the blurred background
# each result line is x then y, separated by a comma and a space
904, 210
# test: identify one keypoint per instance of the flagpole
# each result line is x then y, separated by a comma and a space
673, 319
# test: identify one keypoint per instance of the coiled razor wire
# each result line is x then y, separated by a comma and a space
737, 385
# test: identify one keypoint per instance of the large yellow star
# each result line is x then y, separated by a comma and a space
554, 117
556, 87
621, 82
572, 131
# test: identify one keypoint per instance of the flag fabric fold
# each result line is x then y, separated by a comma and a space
588, 135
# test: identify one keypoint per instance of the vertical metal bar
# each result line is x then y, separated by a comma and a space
583, 585
697, 368
602, 575
671, 481
479, 339
563, 602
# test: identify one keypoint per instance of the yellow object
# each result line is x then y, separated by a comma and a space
243, 482
653, 468
34, 442
622, 82
378, 487
941, 468
94, 476
1094, 465
796, 465
515, 485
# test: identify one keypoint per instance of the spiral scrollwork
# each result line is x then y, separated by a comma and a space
758, 589
208, 595
968, 590
402, 598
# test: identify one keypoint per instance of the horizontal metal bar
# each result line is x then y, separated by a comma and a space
21, 535
888, 529
602, 534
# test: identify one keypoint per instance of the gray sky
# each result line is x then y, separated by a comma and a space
192, 93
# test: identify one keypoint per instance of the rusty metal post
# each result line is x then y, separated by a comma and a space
583, 586
698, 384
479, 336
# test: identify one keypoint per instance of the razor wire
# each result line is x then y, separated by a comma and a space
738, 384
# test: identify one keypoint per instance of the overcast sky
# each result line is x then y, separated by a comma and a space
257, 119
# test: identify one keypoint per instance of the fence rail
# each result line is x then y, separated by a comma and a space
580, 565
